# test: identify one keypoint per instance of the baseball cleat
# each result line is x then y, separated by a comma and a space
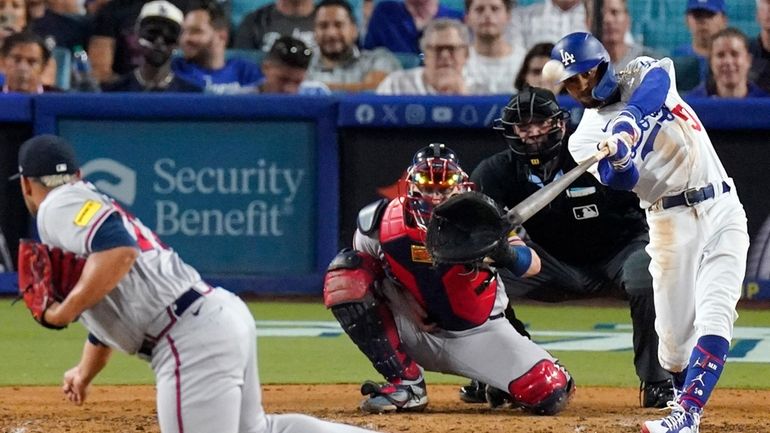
404, 397
474, 392
680, 421
657, 394
497, 398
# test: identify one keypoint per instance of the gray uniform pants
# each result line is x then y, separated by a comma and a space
625, 274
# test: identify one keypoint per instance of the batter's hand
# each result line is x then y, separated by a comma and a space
75, 387
618, 148
417, 313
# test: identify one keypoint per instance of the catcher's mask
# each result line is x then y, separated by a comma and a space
434, 176
533, 125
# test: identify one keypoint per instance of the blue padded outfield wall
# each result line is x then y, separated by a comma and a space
259, 192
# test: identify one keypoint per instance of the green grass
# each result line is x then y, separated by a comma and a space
32, 355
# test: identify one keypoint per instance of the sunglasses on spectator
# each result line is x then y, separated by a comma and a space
151, 31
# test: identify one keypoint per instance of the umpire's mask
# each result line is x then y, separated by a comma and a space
533, 125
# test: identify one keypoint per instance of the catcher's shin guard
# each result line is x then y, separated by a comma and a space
544, 390
348, 292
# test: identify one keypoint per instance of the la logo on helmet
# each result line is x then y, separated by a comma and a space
566, 57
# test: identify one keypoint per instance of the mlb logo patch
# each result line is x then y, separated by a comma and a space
585, 212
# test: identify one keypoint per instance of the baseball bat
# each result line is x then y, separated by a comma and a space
532, 204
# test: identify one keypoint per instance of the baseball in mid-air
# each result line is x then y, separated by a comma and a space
552, 71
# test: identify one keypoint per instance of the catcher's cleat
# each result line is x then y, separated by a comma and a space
404, 397
656, 394
474, 392
680, 421
498, 399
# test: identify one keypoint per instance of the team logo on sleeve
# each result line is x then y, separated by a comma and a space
87, 212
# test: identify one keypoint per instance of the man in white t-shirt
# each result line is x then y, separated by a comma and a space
493, 61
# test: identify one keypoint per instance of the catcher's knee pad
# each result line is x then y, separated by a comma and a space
351, 277
544, 390
348, 292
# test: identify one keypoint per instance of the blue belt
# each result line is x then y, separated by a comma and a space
691, 196
177, 308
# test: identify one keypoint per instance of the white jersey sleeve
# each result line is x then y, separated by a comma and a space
70, 216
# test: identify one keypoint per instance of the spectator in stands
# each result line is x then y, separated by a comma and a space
704, 19
203, 42
759, 47
547, 21
24, 58
160, 24
531, 71
260, 29
445, 44
285, 69
58, 25
13, 17
729, 61
398, 25
338, 62
616, 23
113, 49
492, 60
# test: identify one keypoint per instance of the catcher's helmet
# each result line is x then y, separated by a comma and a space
434, 176
580, 52
533, 104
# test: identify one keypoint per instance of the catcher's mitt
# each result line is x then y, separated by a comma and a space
46, 276
465, 228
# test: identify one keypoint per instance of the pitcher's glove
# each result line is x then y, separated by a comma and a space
465, 228
46, 275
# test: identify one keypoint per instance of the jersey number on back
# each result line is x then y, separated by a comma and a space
146, 239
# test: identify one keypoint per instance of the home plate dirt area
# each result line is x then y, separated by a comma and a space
130, 409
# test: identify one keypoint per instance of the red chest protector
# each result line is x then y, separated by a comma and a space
456, 297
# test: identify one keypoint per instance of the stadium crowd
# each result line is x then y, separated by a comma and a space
384, 46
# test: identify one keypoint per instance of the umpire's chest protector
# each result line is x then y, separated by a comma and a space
456, 297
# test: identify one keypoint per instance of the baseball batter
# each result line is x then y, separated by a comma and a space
406, 314
659, 149
135, 294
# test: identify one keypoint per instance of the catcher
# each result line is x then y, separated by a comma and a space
406, 310
135, 294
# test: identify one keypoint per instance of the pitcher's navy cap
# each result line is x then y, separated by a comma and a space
45, 155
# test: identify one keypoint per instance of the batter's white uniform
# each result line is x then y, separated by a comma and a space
205, 359
698, 252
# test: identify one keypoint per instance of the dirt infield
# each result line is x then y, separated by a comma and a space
131, 409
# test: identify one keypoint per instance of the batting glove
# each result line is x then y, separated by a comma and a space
626, 121
618, 150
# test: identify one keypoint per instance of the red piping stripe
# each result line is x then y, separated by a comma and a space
178, 363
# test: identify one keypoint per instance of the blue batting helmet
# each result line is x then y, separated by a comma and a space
580, 52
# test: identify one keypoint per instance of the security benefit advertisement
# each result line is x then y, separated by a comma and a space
232, 198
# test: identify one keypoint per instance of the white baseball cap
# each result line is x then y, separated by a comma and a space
161, 9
